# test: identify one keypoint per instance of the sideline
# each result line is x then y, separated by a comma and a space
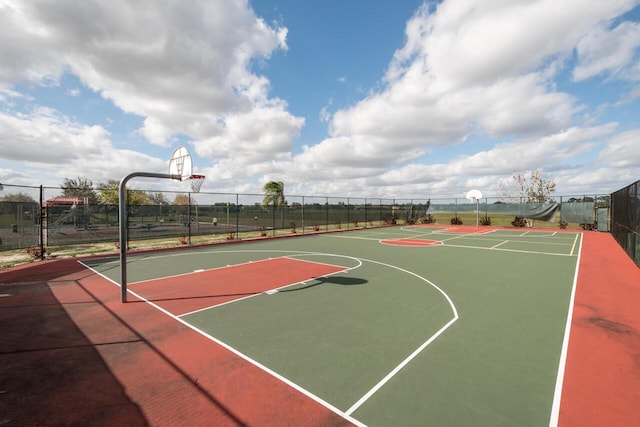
557, 394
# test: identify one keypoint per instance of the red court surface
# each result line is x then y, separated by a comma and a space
411, 242
602, 376
190, 292
76, 355
466, 229
72, 354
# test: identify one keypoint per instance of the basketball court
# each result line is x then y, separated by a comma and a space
396, 325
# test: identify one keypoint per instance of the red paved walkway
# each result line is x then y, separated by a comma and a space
602, 377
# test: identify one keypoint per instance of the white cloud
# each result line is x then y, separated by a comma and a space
622, 151
609, 51
46, 137
45, 140
467, 42
179, 65
260, 135
74, 92
466, 68
470, 72
483, 69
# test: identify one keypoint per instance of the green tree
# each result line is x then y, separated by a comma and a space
157, 198
18, 197
181, 200
274, 197
530, 187
109, 194
79, 187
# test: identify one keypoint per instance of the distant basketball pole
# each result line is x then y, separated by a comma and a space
122, 206
475, 196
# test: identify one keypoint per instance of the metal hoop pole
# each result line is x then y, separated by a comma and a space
122, 208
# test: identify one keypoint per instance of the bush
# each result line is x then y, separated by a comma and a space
519, 222
485, 220
429, 219
563, 225
456, 220
34, 252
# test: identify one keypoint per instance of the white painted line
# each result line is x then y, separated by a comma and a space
397, 369
255, 363
391, 374
557, 394
200, 270
350, 237
273, 291
508, 250
372, 391
239, 354
574, 243
500, 244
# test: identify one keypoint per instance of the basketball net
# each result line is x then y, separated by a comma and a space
196, 182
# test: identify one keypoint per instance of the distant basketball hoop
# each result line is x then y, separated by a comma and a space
475, 196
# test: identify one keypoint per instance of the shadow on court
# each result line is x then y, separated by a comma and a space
49, 369
336, 280
72, 354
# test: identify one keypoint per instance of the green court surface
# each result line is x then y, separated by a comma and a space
467, 332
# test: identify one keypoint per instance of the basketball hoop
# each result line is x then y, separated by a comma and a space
196, 182
180, 164
475, 196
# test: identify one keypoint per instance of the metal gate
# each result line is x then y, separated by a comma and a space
603, 219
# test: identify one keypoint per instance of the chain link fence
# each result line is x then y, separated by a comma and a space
625, 219
43, 218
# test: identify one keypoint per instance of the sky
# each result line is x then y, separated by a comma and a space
385, 98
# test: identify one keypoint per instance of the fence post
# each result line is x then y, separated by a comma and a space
189, 216
365, 212
326, 222
237, 216
41, 227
